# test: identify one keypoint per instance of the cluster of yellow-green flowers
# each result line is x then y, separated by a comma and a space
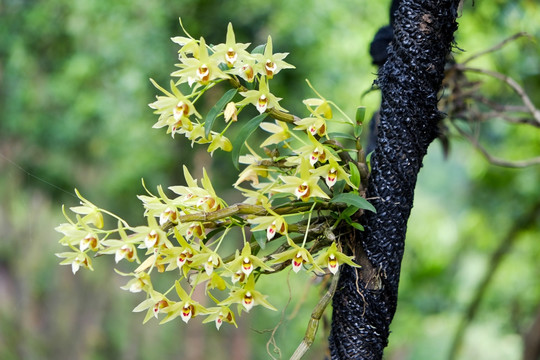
299, 188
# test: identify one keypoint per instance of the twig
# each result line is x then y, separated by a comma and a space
510, 82
497, 47
493, 159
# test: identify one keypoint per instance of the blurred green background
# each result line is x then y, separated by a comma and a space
74, 91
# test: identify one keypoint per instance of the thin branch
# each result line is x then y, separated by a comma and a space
497, 106
493, 159
524, 222
248, 209
513, 84
497, 47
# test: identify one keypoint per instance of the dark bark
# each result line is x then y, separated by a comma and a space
410, 79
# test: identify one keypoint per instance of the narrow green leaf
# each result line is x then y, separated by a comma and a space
355, 175
358, 130
368, 160
259, 49
216, 109
357, 226
354, 200
338, 187
260, 237
341, 135
354, 224
243, 135
348, 212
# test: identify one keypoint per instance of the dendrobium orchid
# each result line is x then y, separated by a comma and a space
262, 99
200, 199
123, 248
280, 132
272, 63
180, 257
141, 281
316, 125
174, 109
76, 260
315, 151
303, 187
322, 107
246, 262
219, 315
92, 214
209, 259
201, 69
154, 304
186, 308
298, 257
219, 142
273, 225
231, 53
191, 232
332, 258
247, 297
331, 173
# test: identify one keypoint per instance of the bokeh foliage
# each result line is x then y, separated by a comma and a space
74, 91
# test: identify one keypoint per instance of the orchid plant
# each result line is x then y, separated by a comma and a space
301, 185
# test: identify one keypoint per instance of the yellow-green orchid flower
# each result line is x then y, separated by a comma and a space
174, 109
186, 308
280, 132
219, 315
247, 297
298, 256
92, 214
271, 63
262, 99
316, 125
201, 69
246, 262
231, 53
331, 173
332, 259
76, 259
303, 187
154, 304
273, 225
315, 151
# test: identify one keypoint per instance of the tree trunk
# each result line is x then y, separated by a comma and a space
366, 299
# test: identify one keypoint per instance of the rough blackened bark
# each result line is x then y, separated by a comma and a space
410, 79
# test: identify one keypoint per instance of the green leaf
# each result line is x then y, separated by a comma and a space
216, 109
368, 161
355, 175
348, 212
341, 135
357, 226
259, 49
260, 237
243, 135
354, 200
358, 130
338, 187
